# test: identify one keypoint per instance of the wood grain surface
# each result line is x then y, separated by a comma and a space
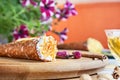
21, 69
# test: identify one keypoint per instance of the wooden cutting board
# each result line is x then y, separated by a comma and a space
21, 69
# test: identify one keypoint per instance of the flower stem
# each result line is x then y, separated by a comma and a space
22, 11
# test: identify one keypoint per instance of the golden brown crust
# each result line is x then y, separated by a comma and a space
73, 46
20, 49
93, 55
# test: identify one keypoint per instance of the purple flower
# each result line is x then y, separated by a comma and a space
28, 2
22, 32
47, 8
62, 14
63, 35
77, 55
71, 8
68, 10
46, 21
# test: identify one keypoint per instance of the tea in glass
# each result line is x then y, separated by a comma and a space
113, 38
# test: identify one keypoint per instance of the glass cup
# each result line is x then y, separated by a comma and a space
113, 38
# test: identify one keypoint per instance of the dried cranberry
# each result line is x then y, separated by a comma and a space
76, 55
62, 54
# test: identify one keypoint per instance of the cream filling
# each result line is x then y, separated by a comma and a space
47, 48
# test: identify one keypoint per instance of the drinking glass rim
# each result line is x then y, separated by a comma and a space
112, 33
109, 30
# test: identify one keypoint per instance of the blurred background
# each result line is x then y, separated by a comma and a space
94, 16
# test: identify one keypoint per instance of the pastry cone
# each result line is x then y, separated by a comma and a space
43, 48
73, 46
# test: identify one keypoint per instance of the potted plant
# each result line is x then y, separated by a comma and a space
23, 18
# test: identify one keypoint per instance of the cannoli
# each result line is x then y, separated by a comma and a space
43, 48
73, 46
